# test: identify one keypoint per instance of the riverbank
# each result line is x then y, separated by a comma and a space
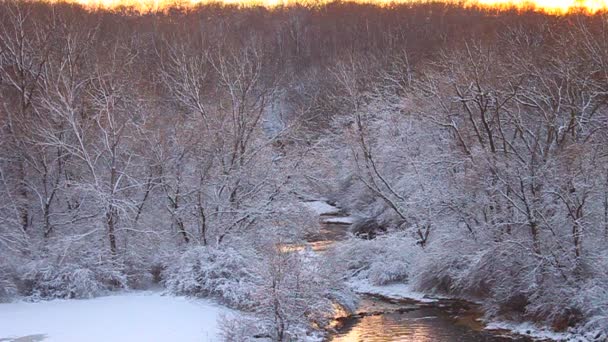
388, 259
403, 292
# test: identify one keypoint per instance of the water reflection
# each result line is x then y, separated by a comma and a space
317, 246
427, 323
319, 242
387, 327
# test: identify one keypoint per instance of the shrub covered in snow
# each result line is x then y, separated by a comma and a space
592, 298
44, 279
385, 259
226, 274
8, 288
514, 286
69, 268
287, 294
241, 328
298, 291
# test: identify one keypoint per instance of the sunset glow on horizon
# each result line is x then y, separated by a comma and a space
548, 6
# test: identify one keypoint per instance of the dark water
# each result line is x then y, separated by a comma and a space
328, 234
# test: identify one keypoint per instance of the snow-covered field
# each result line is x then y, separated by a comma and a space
132, 316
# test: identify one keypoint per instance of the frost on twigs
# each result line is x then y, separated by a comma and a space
44, 280
8, 289
286, 294
383, 260
225, 274
472, 145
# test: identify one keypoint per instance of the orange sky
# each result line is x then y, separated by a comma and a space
546, 5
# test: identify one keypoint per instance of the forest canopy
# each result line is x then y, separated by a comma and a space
179, 147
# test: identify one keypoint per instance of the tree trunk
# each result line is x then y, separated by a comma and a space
110, 222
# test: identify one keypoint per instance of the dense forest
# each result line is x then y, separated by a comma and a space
180, 147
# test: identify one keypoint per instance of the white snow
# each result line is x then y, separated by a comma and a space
395, 291
322, 208
529, 329
339, 220
133, 316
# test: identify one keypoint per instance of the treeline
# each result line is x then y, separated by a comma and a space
149, 147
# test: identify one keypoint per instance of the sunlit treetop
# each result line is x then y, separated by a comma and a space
551, 6
548, 6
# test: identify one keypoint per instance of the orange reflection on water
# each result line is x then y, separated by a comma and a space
317, 246
382, 328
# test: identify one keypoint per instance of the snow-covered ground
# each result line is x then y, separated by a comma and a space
396, 291
132, 316
340, 220
322, 208
529, 329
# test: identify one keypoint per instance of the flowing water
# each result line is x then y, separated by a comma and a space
381, 319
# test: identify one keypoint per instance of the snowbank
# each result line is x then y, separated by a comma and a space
133, 316
339, 220
322, 208
395, 291
529, 329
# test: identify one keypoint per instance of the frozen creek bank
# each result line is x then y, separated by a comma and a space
131, 316
396, 313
